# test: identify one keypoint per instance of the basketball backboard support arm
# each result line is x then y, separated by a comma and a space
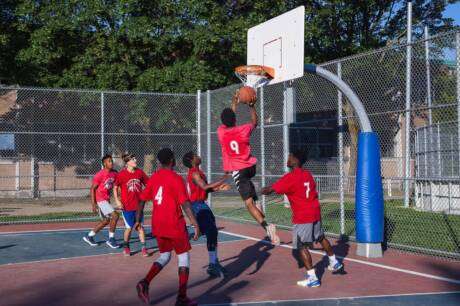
368, 161
346, 90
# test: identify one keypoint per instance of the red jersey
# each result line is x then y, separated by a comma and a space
236, 149
196, 193
300, 188
166, 189
131, 185
104, 180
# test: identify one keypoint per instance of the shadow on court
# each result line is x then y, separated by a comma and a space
256, 254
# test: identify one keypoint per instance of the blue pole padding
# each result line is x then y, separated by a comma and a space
369, 193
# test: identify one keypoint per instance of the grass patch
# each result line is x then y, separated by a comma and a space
403, 226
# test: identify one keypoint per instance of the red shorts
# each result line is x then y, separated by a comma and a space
178, 244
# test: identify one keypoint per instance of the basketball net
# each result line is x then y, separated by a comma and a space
254, 75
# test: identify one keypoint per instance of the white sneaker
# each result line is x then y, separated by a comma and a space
309, 282
271, 232
335, 266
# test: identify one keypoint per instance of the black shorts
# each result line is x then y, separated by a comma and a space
244, 184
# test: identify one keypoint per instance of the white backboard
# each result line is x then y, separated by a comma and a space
279, 43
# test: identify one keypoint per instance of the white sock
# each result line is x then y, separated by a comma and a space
332, 259
212, 257
92, 234
111, 234
311, 273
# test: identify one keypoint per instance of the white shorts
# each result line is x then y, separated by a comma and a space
105, 209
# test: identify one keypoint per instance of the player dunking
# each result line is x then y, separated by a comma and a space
237, 159
300, 188
167, 191
128, 187
198, 189
100, 199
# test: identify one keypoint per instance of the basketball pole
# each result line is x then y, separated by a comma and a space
369, 219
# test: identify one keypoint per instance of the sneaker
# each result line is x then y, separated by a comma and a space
145, 253
90, 240
185, 301
143, 291
310, 282
334, 267
126, 252
112, 243
213, 270
222, 269
271, 232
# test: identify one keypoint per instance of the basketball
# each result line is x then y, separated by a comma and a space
247, 95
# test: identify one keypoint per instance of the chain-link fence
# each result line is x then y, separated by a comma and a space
51, 142
422, 200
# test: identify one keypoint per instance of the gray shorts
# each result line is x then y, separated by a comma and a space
105, 210
306, 233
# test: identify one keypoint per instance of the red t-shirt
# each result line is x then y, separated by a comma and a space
300, 188
236, 149
131, 185
196, 193
166, 189
104, 180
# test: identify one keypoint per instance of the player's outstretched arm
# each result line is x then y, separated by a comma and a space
93, 198
267, 190
235, 101
254, 117
117, 196
197, 180
188, 211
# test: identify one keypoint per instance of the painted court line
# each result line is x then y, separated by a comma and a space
336, 298
155, 249
445, 279
59, 230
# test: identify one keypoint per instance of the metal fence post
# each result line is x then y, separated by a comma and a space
439, 151
102, 125
457, 45
17, 181
408, 98
208, 140
341, 168
288, 114
428, 76
198, 122
262, 144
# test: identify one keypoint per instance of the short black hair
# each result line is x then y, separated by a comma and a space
106, 156
301, 155
127, 157
228, 117
165, 156
187, 159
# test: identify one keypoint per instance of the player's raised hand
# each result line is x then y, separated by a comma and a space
224, 187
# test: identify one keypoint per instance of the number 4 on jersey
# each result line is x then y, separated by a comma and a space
159, 196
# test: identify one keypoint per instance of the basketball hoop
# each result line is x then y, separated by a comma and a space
254, 75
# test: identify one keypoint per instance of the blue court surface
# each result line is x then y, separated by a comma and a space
48, 245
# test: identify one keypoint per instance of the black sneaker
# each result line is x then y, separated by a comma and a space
112, 243
90, 240
222, 269
143, 291
185, 301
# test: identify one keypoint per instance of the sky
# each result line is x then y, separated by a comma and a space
453, 11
